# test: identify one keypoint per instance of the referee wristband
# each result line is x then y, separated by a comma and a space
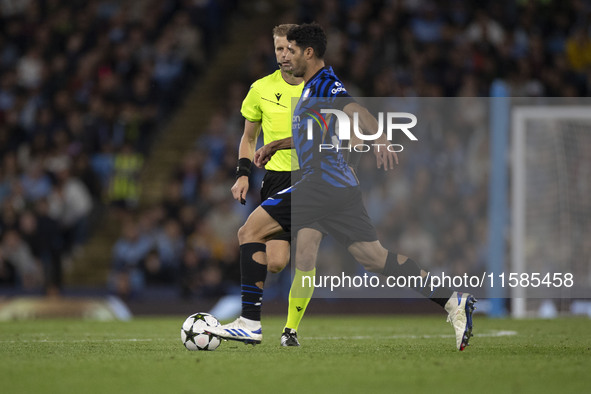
243, 168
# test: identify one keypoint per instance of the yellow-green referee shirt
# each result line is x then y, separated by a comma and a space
269, 101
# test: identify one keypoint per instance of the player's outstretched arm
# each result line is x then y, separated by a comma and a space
369, 124
264, 153
245, 157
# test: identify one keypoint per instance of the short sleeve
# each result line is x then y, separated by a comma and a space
337, 91
251, 107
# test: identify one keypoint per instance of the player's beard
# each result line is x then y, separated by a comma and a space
297, 72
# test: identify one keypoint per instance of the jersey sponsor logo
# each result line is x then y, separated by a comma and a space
278, 96
339, 88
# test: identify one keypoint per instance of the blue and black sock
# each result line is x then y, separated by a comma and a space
410, 268
253, 275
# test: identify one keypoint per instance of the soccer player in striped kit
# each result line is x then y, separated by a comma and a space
329, 193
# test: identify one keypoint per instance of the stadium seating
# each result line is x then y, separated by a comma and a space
87, 90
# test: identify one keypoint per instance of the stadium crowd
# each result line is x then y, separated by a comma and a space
435, 207
82, 88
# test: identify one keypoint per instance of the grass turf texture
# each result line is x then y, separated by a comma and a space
338, 354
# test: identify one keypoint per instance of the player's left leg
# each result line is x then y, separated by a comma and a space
459, 306
353, 227
307, 244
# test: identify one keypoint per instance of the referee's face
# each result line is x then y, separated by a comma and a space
297, 60
281, 53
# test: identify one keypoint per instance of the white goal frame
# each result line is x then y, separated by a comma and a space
519, 116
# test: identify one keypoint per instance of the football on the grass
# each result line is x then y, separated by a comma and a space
193, 332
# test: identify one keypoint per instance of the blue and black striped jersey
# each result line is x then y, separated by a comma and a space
327, 165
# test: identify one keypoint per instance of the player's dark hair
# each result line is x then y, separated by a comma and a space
309, 35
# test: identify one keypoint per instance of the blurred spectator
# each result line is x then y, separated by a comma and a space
224, 220
484, 29
50, 245
168, 67
124, 188
29, 68
127, 277
173, 199
82, 170
91, 82
189, 40
428, 24
578, 49
169, 244
36, 183
19, 261
188, 219
189, 175
70, 204
84, 86
190, 272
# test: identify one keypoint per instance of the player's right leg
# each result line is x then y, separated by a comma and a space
459, 306
278, 251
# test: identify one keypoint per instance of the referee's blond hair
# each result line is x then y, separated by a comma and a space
281, 30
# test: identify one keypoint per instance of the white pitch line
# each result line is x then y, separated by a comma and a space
81, 340
500, 333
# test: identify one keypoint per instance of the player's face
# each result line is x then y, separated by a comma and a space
281, 52
297, 60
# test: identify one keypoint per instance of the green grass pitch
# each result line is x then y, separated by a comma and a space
346, 354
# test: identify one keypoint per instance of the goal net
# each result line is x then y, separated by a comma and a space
551, 204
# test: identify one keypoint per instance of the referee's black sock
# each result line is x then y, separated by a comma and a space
410, 268
253, 277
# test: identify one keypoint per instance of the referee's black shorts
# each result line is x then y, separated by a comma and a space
273, 183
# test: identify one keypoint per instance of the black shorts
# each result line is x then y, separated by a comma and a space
273, 183
339, 211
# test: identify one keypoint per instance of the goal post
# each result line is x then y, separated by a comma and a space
550, 200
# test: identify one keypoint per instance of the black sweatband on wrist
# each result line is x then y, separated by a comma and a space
243, 168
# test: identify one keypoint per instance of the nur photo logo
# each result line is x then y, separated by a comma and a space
388, 122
